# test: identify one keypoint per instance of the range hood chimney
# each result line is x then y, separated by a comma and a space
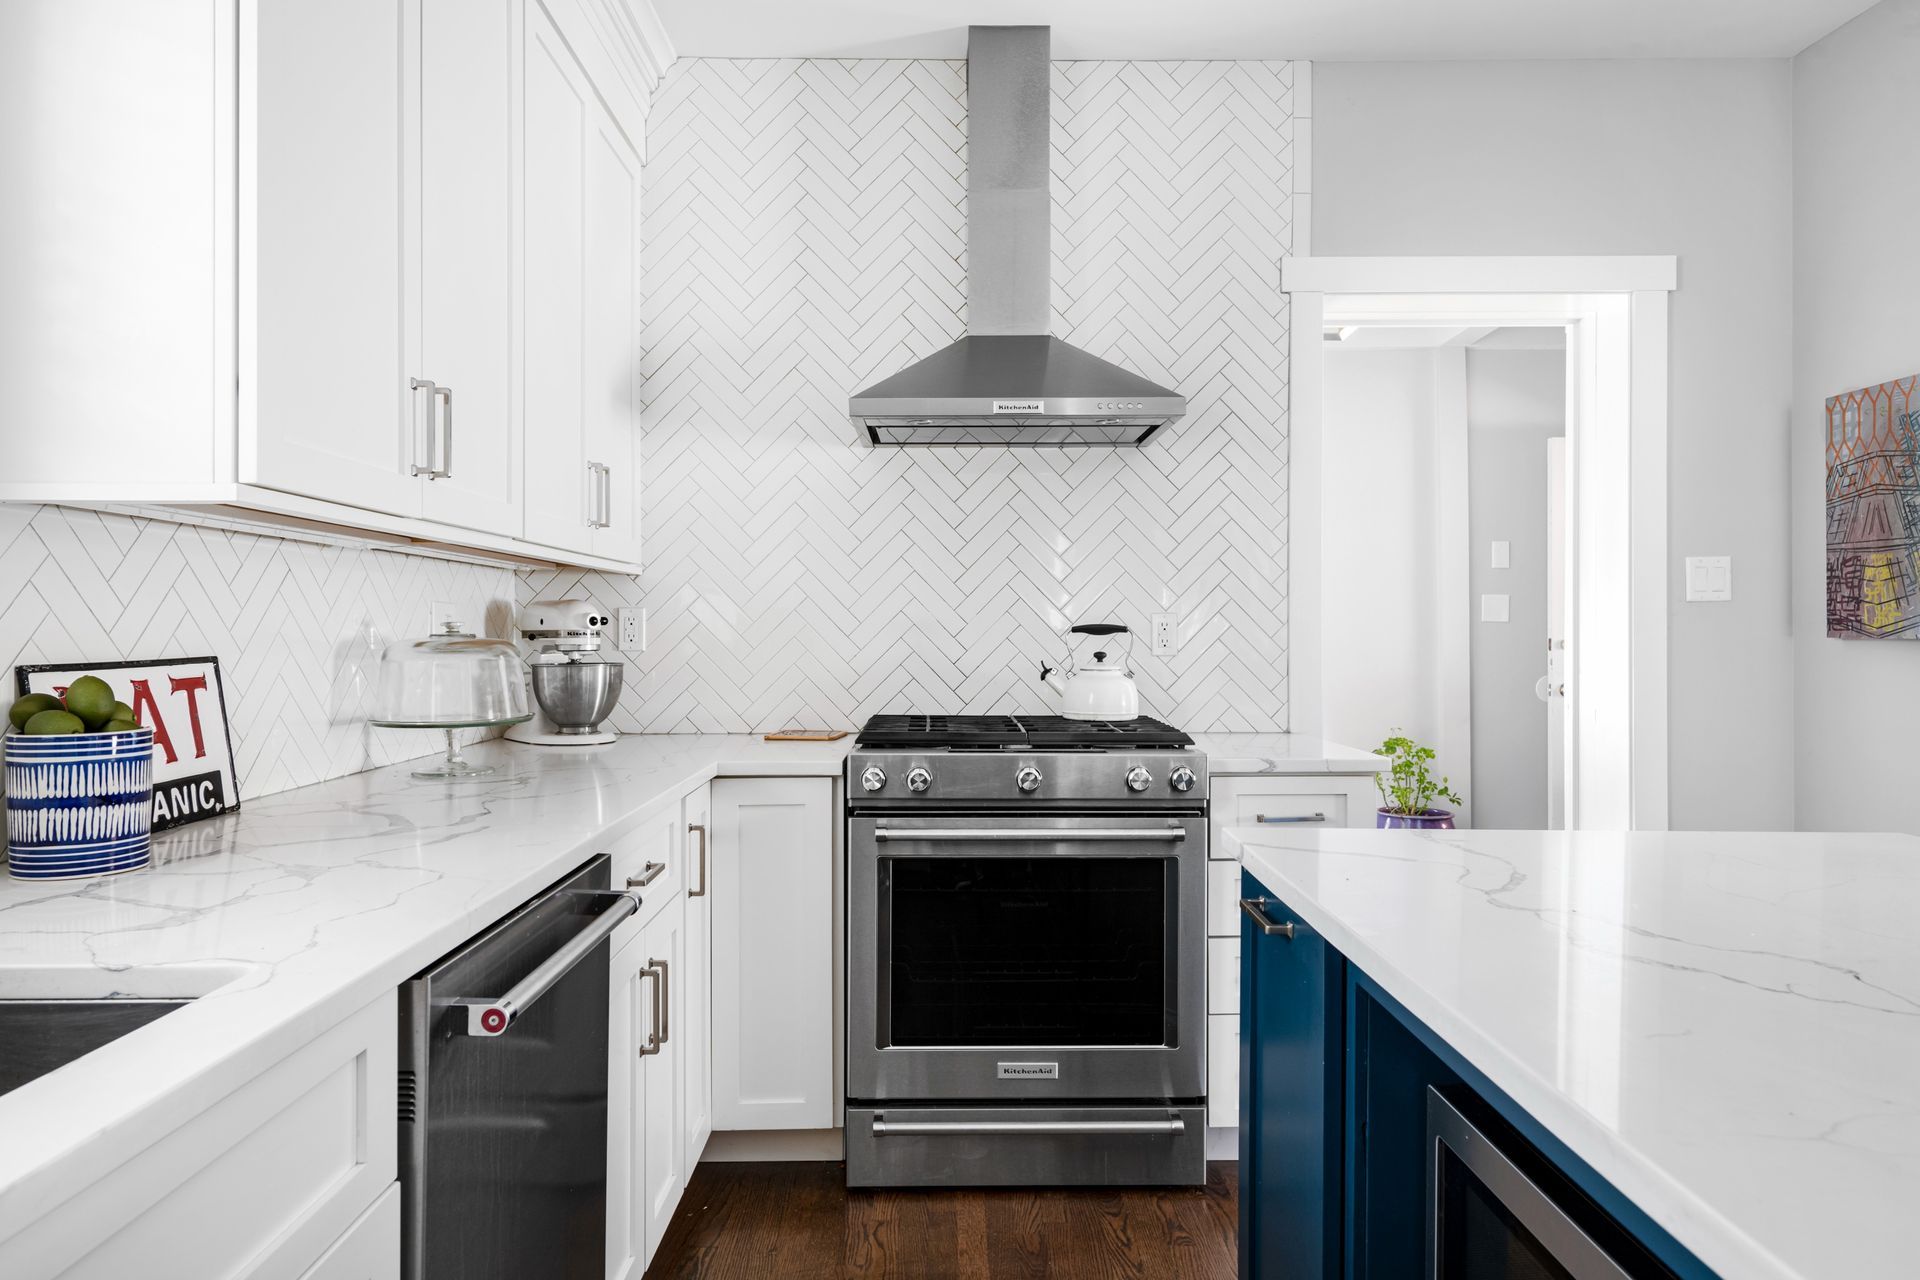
1009, 382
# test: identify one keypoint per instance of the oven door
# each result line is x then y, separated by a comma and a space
1028, 958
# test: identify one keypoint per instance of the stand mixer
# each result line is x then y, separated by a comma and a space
574, 687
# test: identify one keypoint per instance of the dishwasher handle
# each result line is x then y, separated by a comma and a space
492, 1017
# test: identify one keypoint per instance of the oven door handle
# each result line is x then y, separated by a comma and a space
882, 1127
1048, 834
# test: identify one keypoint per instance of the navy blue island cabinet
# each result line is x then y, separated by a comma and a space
1372, 1150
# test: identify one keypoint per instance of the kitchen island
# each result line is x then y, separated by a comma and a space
1716, 1037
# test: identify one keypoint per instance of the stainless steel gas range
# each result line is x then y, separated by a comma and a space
1026, 951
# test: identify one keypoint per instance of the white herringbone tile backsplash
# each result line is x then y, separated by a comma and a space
298, 626
804, 234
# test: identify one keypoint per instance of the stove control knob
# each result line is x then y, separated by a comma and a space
1182, 778
1138, 779
1028, 779
918, 779
874, 778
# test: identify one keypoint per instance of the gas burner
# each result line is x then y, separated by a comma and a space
1018, 733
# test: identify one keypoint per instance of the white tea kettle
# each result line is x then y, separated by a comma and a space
1101, 687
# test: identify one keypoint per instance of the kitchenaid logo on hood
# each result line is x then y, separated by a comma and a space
1029, 1070
1019, 406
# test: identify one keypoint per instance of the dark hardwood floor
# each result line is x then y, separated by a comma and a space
798, 1221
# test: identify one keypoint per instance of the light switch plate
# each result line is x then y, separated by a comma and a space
1502, 554
1709, 578
1493, 608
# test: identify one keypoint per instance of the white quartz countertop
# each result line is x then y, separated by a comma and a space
295, 912
1282, 753
1725, 1026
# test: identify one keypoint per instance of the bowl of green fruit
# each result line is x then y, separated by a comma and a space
79, 785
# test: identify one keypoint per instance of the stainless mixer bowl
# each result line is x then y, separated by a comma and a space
577, 696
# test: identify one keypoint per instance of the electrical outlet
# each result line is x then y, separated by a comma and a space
633, 631
1166, 641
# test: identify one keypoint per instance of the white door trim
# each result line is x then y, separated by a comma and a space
1617, 293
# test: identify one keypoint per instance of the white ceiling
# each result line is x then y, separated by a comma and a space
1329, 30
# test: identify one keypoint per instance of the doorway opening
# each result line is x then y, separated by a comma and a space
1395, 593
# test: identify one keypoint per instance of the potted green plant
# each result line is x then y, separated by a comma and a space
1409, 788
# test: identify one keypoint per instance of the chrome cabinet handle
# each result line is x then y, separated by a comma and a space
598, 497
493, 1017
606, 497
653, 1035
700, 829
1277, 819
1256, 909
444, 394
647, 876
1082, 835
933, 1128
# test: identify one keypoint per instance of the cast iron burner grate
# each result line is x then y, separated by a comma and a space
1024, 733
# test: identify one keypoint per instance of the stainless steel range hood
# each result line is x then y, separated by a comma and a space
1009, 382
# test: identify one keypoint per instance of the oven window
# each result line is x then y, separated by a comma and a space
1028, 951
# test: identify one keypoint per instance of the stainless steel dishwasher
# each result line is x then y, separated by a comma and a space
503, 1094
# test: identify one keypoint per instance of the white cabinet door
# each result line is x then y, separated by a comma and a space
466, 252
325, 408
773, 990
370, 1250
629, 1016
663, 1130
695, 1010
611, 352
560, 109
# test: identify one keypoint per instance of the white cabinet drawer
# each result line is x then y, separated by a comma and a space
1223, 1071
652, 852
1223, 975
258, 1185
371, 1248
1223, 899
1311, 802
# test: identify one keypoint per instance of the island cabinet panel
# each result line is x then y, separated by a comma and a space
1292, 992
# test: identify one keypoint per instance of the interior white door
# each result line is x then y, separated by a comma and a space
472, 443
629, 1014
773, 945
612, 347
696, 1002
325, 408
559, 102
663, 1134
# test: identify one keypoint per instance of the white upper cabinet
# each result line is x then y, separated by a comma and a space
372, 263
583, 331
469, 49
324, 405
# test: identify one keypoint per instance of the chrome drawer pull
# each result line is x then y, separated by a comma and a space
648, 875
701, 829
1082, 835
1256, 909
938, 1128
1280, 818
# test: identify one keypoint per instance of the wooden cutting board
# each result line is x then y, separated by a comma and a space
806, 735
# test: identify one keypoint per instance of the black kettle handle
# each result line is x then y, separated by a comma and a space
1099, 629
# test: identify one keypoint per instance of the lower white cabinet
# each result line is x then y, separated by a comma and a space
371, 1248
259, 1185
773, 946
647, 1161
696, 1007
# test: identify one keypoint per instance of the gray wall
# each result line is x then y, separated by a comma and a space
1856, 275
1516, 400
1670, 157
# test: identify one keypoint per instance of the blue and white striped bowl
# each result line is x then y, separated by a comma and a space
79, 805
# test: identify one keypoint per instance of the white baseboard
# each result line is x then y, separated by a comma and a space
775, 1144
1222, 1144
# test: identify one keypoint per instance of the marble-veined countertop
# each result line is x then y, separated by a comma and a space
1282, 753
1725, 1026
294, 912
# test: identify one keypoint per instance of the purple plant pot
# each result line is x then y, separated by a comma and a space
1426, 820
